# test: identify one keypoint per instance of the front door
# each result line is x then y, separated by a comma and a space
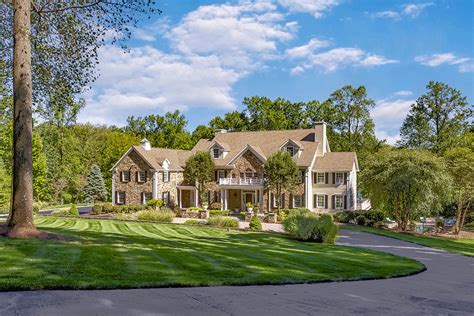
249, 198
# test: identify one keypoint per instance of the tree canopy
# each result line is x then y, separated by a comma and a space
198, 170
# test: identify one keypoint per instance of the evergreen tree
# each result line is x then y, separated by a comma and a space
95, 187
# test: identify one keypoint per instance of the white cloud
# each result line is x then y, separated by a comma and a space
408, 10
333, 59
464, 64
314, 7
297, 70
414, 10
386, 14
147, 80
389, 114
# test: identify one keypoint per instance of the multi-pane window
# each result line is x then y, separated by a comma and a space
248, 174
125, 176
321, 201
216, 153
297, 201
166, 198
321, 178
339, 178
166, 176
146, 196
141, 176
221, 174
291, 150
339, 201
120, 198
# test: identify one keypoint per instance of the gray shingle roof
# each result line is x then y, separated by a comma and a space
336, 161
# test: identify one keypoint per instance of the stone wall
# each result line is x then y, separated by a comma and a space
175, 179
133, 189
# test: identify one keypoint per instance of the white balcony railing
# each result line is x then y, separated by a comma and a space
251, 181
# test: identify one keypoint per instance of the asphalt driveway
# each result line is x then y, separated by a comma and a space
445, 288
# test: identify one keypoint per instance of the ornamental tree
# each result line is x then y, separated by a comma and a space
95, 187
198, 170
280, 173
407, 183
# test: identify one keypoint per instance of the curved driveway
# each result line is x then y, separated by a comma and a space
446, 288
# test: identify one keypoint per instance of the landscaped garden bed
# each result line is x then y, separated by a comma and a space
124, 254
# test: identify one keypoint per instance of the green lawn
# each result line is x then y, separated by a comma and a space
118, 254
461, 246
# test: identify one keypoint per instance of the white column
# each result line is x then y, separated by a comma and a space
180, 198
309, 189
113, 187
222, 198
155, 185
226, 191
196, 197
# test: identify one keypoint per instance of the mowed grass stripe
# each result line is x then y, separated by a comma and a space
115, 254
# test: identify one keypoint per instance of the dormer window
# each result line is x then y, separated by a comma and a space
291, 150
216, 153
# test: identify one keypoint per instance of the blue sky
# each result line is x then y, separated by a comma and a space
204, 57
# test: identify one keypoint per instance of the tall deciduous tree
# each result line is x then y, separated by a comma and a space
281, 173
406, 183
198, 170
95, 186
460, 161
437, 119
65, 37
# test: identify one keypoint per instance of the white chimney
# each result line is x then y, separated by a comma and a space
145, 144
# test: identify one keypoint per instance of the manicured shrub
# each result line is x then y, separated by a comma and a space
155, 204
215, 206
73, 211
117, 209
255, 223
67, 198
195, 208
242, 215
97, 209
439, 223
370, 223
219, 212
156, 216
221, 221
310, 227
107, 208
193, 222
375, 215
165, 208
360, 220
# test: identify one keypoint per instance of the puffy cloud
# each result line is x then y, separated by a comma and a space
464, 64
408, 10
333, 59
314, 7
414, 10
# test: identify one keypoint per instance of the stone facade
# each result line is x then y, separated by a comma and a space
133, 189
175, 179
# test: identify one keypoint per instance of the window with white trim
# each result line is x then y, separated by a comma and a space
339, 201
141, 176
216, 153
146, 196
221, 174
339, 177
291, 150
321, 177
320, 201
297, 201
166, 176
125, 176
120, 198
248, 174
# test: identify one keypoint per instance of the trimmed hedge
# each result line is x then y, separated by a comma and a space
221, 221
73, 211
155, 216
255, 223
97, 209
213, 213
360, 220
311, 227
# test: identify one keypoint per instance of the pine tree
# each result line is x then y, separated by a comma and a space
95, 187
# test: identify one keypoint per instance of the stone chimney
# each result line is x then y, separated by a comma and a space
145, 144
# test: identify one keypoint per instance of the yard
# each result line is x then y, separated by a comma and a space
463, 246
119, 254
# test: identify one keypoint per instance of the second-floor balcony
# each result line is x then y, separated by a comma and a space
240, 181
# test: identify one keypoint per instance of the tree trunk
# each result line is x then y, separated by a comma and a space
20, 221
458, 225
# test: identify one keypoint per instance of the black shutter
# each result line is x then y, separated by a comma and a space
282, 202
272, 199
291, 202
225, 174
333, 201
121, 176
216, 176
326, 201
315, 200
124, 198
345, 177
136, 175
333, 178
326, 177
345, 202
315, 177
